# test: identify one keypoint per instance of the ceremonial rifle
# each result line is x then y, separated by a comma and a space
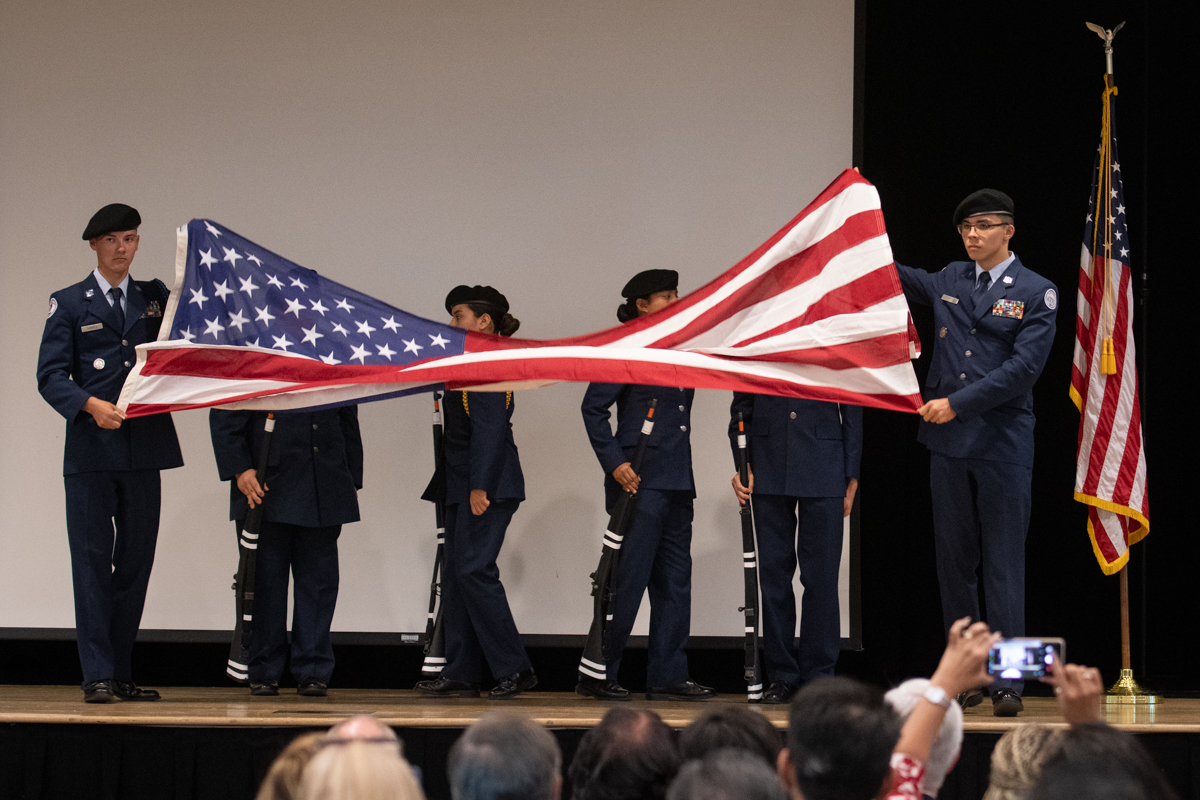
754, 679
243, 582
435, 637
594, 662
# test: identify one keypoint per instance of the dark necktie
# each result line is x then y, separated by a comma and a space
981, 286
117, 294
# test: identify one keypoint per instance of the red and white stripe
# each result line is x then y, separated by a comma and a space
816, 311
1110, 467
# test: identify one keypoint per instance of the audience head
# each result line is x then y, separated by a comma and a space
363, 727
1018, 758
358, 769
727, 774
840, 739
1101, 763
731, 726
503, 757
283, 778
630, 755
943, 754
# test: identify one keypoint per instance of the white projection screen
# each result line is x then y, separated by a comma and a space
551, 149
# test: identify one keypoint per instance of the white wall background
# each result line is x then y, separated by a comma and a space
551, 149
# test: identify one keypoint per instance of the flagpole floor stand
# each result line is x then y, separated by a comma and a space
1128, 692
219, 742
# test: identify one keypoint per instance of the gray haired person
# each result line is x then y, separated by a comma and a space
943, 753
727, 774
503, 757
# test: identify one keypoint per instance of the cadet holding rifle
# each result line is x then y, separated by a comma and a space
656, 550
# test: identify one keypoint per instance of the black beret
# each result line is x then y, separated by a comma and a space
476, 294
985, 201
113, 217
652, 280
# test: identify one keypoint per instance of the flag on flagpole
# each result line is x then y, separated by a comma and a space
816, 311
1110, 466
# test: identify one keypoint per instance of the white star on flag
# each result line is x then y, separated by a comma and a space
343, 303
413, 347
237, 319
438, 340
214, 327
271, 279
187, 334
391, 324
361, 354
211, 229
206, 258
294, 307
282, 342
329, 359
337, 328
198, 297
318, 306
298, 283
365, 328
264, 315
385, 351
221, 289
231, 256
311, 335
254, 258
248, 285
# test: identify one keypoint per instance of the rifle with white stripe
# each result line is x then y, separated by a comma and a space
754, 679
243, 582
594, 662
435, 637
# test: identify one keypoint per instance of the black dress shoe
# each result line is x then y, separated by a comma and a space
602, 690
970, 698
780, 692
128, 690
265, 689
688, 690
513, 685
444, 687
1006, 703
98, 692
311, 687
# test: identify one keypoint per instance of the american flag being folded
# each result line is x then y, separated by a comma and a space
816, 312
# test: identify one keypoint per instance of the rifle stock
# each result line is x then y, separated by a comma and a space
435, 638
243, 582
597, 651
753, 668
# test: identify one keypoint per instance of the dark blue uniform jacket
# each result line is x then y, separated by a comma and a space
314, 468
986, 358
798, 448
85, 354
668, 460
478, 450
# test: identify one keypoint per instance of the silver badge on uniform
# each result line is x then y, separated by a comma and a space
89, 293
950, 299
1008, 280
53, 308
98, 363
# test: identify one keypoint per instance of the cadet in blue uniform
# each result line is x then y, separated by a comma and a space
804, 457
111, 465
482, 486
995, 324
314, 472
657, 551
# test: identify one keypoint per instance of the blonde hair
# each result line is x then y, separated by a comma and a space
358, 770
283, 778
1018, 759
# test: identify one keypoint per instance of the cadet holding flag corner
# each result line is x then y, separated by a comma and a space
995, 323
111, 465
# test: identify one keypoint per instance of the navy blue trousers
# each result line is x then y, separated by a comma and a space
980, 519
656, 555
112, 529
310, 557
479, 623
817, 547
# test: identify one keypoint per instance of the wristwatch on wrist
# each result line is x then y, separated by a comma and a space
937, 696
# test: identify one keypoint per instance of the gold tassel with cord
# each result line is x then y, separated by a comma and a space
1108, 358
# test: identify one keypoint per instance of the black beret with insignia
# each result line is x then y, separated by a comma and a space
985, 201
650, 281
476, 294
113, 217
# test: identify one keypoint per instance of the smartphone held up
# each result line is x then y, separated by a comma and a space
1025, 657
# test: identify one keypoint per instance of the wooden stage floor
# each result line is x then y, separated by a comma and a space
233, 707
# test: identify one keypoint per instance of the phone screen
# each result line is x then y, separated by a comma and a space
1022, 658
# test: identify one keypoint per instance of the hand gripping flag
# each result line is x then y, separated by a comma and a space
816, 312
1110, 465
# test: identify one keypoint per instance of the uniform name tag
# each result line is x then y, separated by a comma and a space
93, 327
1014, 309
950, 299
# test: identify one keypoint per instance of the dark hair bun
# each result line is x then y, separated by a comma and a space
507, 325
628, 310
